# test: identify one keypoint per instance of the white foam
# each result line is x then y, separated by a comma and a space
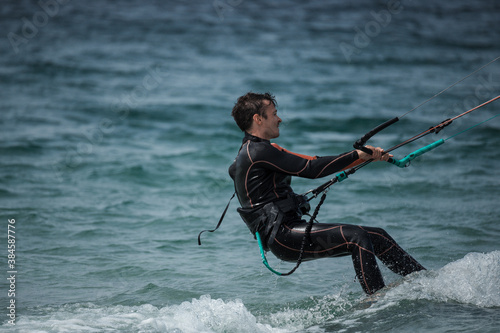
206, 315
317, 312
474, 279
199, 315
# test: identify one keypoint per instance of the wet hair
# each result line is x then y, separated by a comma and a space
248, 105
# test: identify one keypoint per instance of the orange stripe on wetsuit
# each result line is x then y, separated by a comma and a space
307, 157
310, 158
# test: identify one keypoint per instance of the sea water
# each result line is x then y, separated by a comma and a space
116, 137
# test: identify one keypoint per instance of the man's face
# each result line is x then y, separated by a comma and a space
270, 124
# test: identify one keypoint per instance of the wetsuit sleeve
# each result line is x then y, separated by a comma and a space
279, 159
307, 157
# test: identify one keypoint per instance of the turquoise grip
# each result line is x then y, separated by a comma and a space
404, 162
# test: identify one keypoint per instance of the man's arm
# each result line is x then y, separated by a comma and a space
315, 167
279, 159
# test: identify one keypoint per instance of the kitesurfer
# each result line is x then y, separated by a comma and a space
262, 174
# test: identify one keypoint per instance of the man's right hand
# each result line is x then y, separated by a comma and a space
378, 154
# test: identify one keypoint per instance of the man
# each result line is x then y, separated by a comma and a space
262, 174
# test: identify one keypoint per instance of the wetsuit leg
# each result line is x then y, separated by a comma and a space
364, 244
391, 254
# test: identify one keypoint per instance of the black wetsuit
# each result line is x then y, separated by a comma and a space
262, 174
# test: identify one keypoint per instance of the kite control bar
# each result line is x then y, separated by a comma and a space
360, 144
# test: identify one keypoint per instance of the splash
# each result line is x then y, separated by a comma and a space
199, 315
206, 315
312, 312
473, 280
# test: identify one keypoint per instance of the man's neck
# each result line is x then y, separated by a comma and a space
259, 135
254, 137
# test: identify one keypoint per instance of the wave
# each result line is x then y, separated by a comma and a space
471, 281
199, 315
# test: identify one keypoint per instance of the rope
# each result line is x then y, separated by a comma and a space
454, 84
468, 129
441, 125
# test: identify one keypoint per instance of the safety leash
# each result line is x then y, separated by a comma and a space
220, 220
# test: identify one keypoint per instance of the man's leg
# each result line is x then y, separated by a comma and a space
331, 240
391, 254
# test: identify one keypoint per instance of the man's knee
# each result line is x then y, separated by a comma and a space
380, 231
359, 236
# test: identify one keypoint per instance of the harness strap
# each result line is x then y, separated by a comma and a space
220, 221
305, 239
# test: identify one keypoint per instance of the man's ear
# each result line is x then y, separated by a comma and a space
257, 118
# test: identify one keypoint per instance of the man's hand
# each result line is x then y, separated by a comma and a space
378, 154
